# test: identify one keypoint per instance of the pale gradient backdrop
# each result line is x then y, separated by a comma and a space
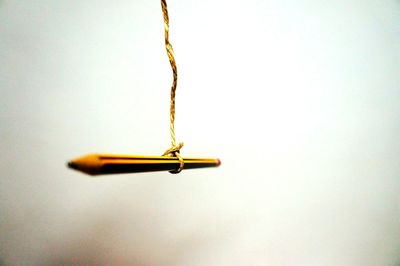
299, 98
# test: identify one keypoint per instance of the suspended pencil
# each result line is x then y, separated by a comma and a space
100, 164
172, 161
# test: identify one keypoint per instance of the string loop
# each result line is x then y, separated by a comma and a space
174, 152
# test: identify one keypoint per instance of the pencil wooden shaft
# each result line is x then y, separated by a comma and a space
99, 164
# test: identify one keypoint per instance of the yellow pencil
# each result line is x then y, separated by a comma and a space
99, 164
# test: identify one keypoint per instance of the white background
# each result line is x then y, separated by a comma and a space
299, 99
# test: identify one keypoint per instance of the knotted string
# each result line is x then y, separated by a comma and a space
174, 151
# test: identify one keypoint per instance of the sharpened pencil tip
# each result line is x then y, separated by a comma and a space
88, 164
72, 165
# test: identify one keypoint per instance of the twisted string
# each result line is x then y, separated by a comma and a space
174, 151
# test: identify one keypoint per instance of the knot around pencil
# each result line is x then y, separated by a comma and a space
174, 151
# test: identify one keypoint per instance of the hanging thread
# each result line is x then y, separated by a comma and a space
174, 151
